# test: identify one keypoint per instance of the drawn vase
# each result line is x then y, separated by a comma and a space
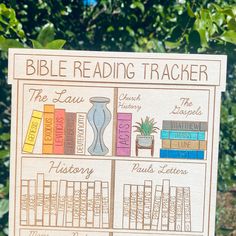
99, 117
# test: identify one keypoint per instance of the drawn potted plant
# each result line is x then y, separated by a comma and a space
145, 139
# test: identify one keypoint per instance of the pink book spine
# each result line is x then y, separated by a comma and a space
58, 147
124, 128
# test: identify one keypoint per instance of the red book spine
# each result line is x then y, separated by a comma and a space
58, 147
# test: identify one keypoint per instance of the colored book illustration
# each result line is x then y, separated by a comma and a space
182, 135
48, 128
185, 125
64, 203
168, 210
32, 133
63, 132
184, 139
70, 132
59, 131
123, 140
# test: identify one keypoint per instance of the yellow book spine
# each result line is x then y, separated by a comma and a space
48, 129
32, 131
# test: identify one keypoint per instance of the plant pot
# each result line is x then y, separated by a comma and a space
145, 141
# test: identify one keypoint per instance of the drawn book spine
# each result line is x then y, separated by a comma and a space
69, 203
172, 216
105, 205
133, 207
24, 213
53, 208
61, 203
48, 128
147, 204
124, 129
83, 204
70, 132
126, 206
39, 201
187, 210
46, 203
90, 205
77, 196
156, 207
97, 204
140, 206
59, 132
32, 131
184, 125
81, 122
182, 154
179, 208
189, 135
184, 144
32, 202
165, 205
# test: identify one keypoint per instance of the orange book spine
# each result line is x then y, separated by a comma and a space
48, 128
59, 132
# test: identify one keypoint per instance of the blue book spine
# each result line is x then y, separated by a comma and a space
182, 154
182, 135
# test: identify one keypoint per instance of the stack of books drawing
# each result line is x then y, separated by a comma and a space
63, 132
183, 139
168, 208
64, 203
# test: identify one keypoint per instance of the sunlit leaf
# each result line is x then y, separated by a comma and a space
56, 44
36, 44
138, 5
229, 36
47, 34
4, 207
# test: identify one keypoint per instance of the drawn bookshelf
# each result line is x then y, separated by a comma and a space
81, 205
114, 157
66, 133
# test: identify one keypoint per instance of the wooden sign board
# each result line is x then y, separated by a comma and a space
108, 143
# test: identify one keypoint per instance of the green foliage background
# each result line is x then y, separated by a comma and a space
177, 26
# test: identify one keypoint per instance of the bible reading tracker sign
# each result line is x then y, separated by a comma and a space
107, 143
